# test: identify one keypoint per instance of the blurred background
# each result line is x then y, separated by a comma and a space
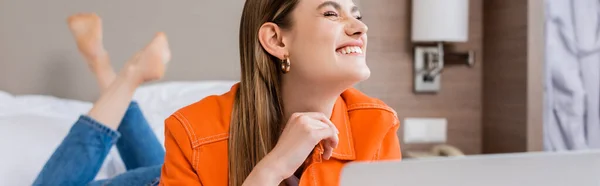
465, 76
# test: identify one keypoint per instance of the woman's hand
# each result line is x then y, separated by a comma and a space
302, 133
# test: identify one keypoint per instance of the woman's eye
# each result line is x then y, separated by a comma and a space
330, 13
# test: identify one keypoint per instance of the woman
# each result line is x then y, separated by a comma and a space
294, 118
114, 118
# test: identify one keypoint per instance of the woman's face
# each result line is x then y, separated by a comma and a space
327, 42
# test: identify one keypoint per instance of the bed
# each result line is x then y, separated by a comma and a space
32, 126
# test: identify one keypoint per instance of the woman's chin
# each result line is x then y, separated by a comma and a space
363, 74
359, 74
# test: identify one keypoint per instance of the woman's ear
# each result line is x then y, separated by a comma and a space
270, 38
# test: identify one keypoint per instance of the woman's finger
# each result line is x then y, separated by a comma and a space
321, 117
328, 138
327, 150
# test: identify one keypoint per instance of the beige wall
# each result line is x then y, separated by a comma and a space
37, 54
390, 59
535, 68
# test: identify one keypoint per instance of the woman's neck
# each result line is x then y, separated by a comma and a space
298, 97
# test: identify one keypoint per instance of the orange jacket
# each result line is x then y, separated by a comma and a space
196, 140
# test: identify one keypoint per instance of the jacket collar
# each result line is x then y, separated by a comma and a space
339, 117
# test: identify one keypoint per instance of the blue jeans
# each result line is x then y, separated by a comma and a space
79, 157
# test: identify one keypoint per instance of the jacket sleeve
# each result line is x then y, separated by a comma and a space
390, 146
178, 168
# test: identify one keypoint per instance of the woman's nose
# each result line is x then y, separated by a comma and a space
356, 27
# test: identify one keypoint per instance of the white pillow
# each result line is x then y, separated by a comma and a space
32, 126
159, 101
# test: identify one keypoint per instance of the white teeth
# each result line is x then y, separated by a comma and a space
350, 49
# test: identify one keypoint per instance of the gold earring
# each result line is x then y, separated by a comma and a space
285, 65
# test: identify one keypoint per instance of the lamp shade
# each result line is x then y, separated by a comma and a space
440, 20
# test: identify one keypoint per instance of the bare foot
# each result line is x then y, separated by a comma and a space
87, 30
149, 63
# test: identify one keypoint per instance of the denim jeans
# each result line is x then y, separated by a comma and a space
79, 157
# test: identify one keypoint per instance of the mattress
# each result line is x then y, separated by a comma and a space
32, 126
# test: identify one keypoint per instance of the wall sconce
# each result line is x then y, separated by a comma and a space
435, 23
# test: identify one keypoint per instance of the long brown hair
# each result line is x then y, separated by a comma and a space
258, 110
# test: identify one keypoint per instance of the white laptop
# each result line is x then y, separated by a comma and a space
519, 169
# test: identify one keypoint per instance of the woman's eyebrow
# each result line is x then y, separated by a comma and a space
337, 6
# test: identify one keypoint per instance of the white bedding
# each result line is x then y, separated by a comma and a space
32, 126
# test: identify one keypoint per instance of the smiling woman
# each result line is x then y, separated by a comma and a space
294, 118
